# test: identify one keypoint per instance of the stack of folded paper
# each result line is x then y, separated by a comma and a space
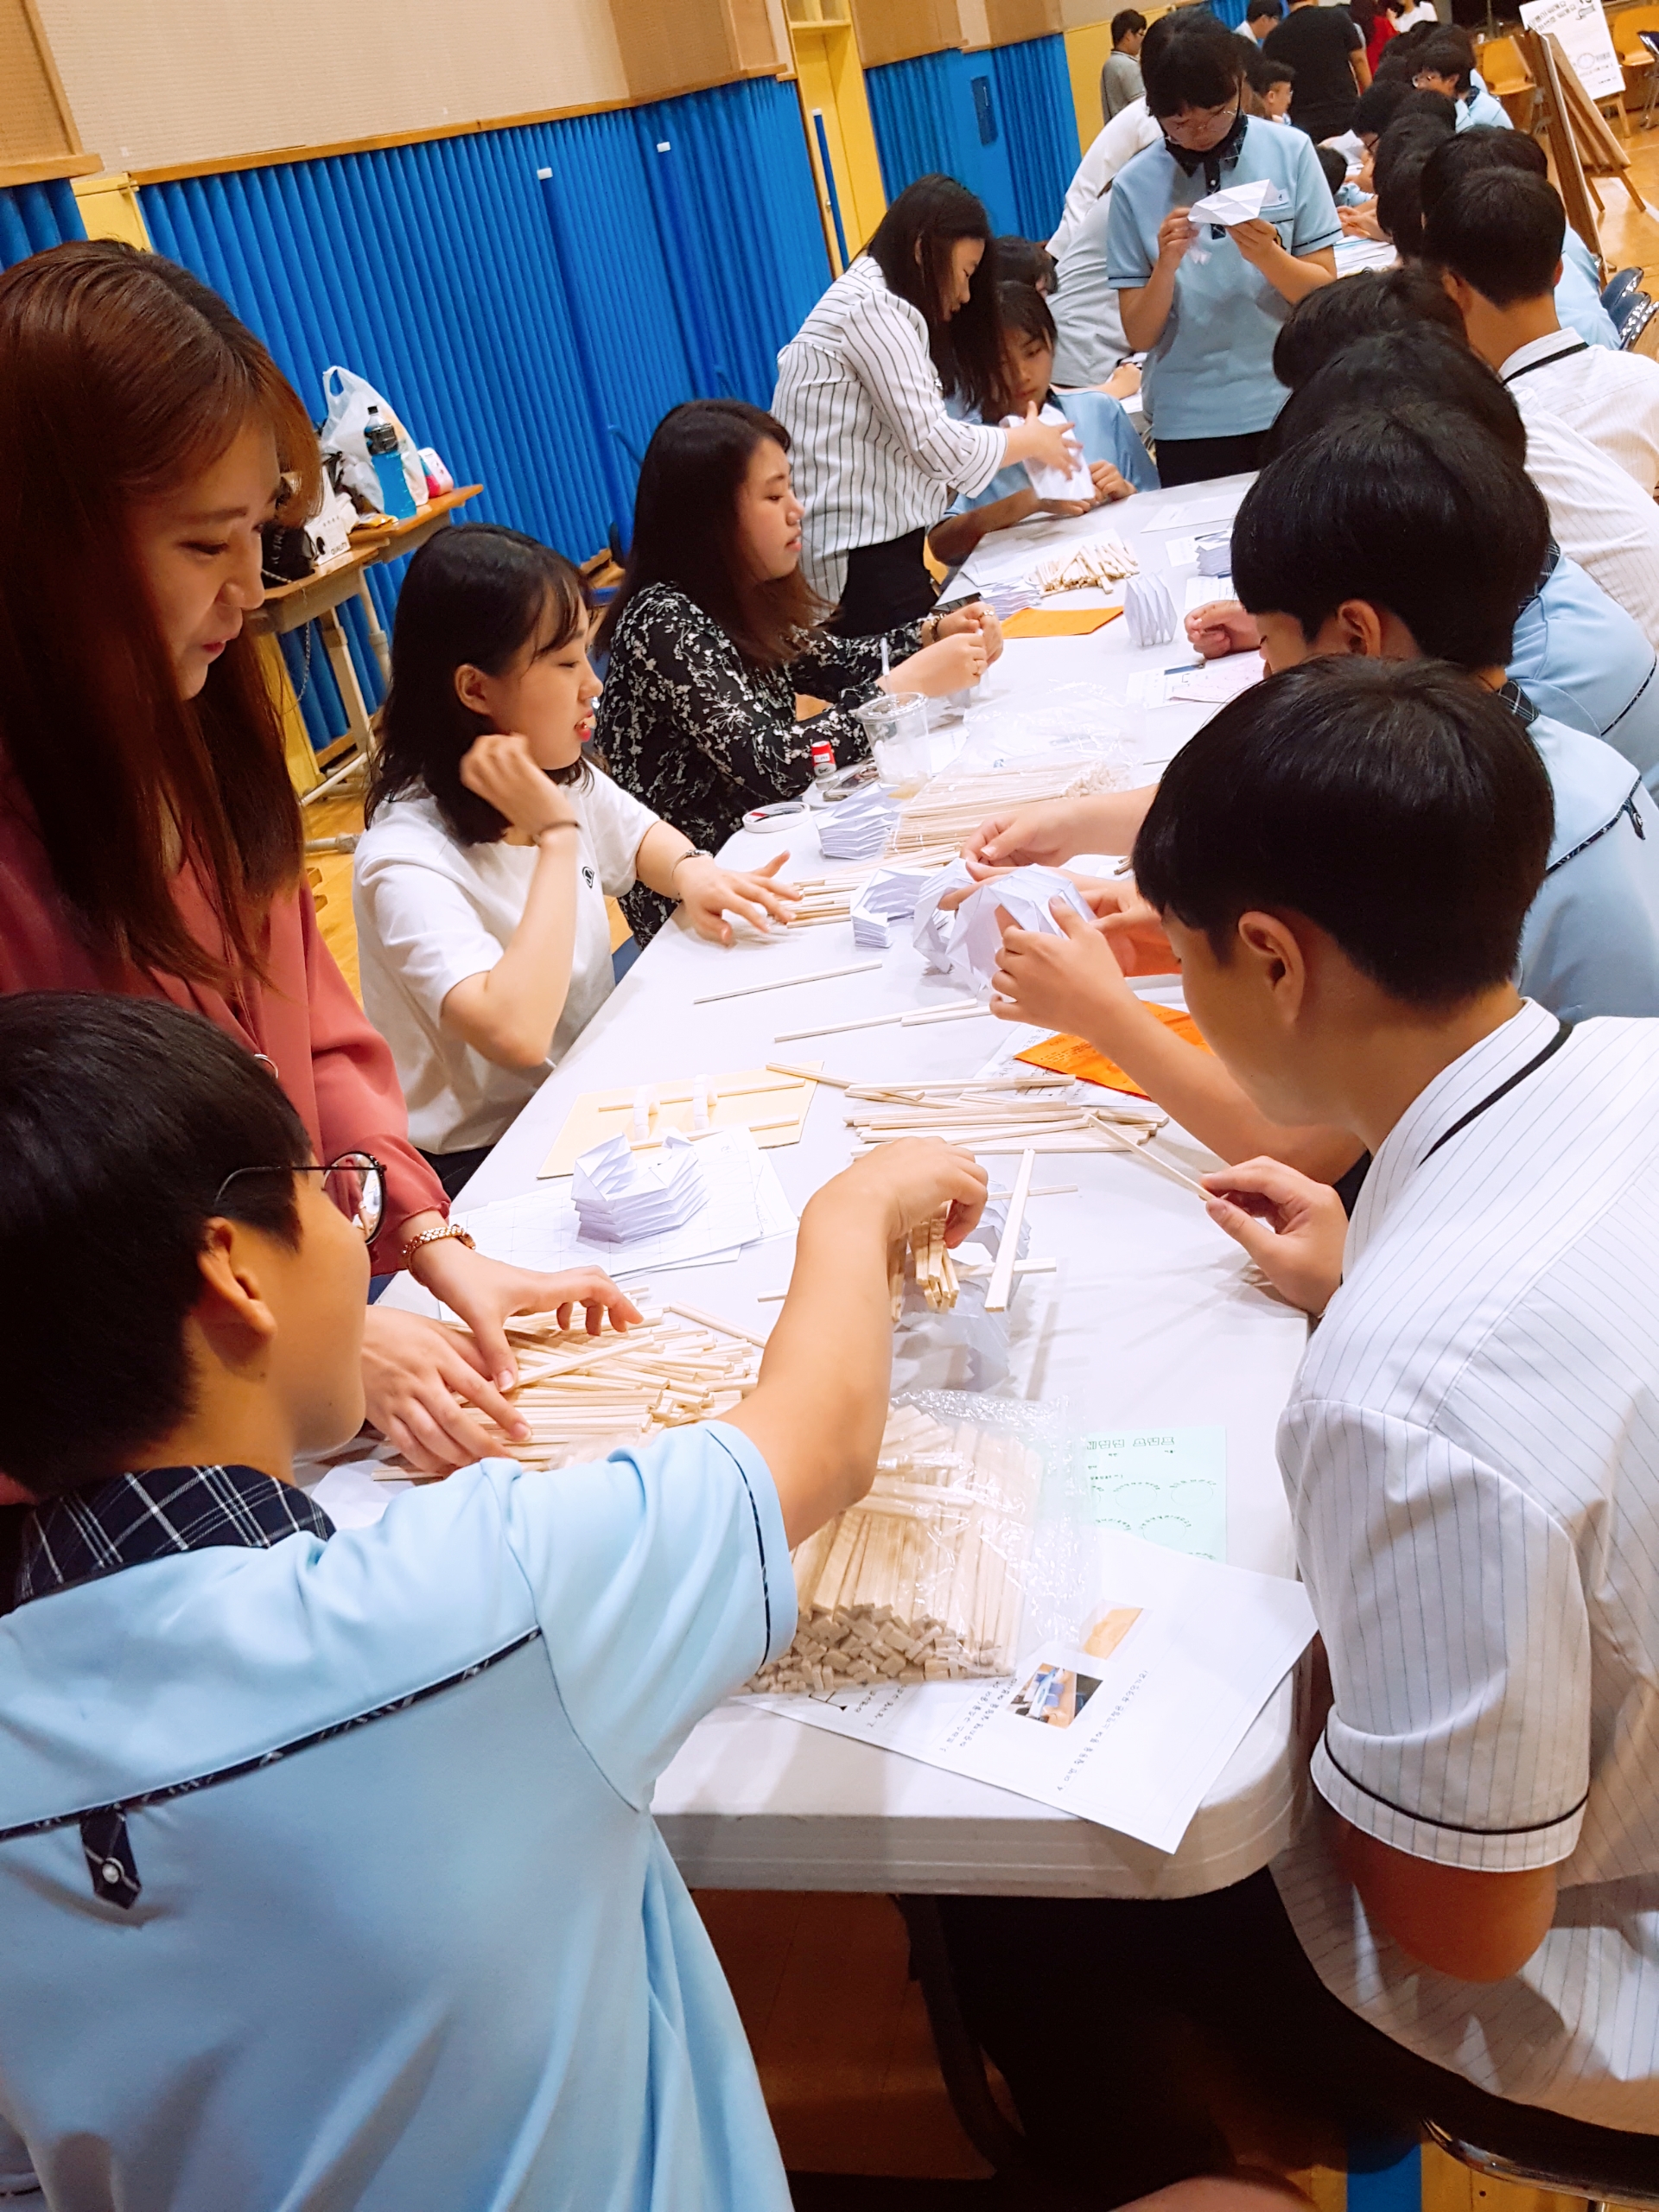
621, 1194
858, 828
889, 896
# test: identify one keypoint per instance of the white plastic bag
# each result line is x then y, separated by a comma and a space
349, 397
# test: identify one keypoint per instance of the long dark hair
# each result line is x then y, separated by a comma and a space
685, 531
475, 594
121, 376
911, 248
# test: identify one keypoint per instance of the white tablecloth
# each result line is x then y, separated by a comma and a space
1150, 1322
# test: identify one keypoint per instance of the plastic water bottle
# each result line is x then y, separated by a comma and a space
396, 497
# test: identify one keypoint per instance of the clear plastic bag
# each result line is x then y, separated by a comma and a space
965, 1549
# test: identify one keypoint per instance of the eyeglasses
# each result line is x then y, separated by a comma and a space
1207, 126
356, 1183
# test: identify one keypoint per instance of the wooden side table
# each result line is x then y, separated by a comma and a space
383, 542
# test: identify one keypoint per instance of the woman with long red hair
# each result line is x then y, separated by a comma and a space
149, 837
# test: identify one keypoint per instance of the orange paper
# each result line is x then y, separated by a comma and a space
1070, 1056
1059, 622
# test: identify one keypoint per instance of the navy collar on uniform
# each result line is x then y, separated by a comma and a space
98, 1530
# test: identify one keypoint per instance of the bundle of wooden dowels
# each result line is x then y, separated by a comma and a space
930, 1264
1102, 561
581, 1394
923, 1580
829, 897
1016, 1113
952, 804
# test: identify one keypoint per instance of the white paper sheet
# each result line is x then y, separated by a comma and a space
1217, 683
1199, 514
1205, 591
1168, 1486
1131, 1725
746, 1203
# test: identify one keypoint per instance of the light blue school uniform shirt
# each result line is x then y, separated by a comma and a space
1581, 660
1104, 432
1482, 108
1591, 942
1211, 373
437, 1956
1578, 296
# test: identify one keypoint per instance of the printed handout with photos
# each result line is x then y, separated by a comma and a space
1130, 1722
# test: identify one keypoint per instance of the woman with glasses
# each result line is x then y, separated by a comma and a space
1205, 303
149, 837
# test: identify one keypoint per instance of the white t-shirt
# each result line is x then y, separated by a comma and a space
431, 911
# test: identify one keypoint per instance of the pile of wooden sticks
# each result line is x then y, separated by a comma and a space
829, 897
923, 1580
1033, 1112
930, 1265
1099, 562
951, 805
581, 1394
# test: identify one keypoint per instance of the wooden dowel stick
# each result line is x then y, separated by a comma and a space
713, 1321
1145, 1152
808, 1075
997, 1296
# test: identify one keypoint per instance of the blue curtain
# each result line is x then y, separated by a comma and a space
941, 112
1035, 110
1230, 11
429, 269
35, 216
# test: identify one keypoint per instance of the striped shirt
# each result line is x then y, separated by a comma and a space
874, 451
1471, 1455
1606, 522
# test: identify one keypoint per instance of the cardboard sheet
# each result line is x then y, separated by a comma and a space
750, 1098
1072, 1056
1059, 621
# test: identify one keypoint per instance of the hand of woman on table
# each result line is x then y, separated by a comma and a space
502, 770
1110, 484
1222, 626
1057, 983
1293, 1228
953, 664
708, 893
977, 620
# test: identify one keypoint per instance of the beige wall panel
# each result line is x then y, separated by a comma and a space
1011, 21
158, 81
894, 30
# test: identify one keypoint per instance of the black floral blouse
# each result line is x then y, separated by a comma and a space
692, 729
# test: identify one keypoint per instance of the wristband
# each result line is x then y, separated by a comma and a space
438, 1236
696, 853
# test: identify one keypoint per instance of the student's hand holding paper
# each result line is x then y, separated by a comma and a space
1071, 982
1258, 240
1222, 626
1293, 1228
1133, 927
1175, 234
976, 620
1110, 483
1037, 836
953, 665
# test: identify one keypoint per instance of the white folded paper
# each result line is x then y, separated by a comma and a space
857, 829
890, 896
1234, 203
621, 1194
930, 928
1074, 483
965, 944
1149, 611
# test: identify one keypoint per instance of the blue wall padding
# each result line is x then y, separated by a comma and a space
927, 120
35, 216
1035, 109
933, 113
429, 269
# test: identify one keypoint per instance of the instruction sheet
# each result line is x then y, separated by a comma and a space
1130, 1720
1167, 1486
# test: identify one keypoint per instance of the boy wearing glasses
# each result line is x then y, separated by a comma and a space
326, 1869
1206, 304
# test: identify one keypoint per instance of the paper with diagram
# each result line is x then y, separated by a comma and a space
1130, 1719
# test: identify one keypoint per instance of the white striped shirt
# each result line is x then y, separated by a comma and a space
1610, 397
1471, 1453
1598, 516
874, 451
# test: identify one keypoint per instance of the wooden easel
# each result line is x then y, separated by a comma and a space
1580, 140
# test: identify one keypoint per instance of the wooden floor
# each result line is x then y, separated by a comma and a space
838, 2030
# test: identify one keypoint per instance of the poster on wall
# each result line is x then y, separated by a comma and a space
1582, 27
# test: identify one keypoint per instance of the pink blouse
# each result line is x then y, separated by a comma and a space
336, 1070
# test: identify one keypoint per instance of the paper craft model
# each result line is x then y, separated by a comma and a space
620, 1194
1149, 611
